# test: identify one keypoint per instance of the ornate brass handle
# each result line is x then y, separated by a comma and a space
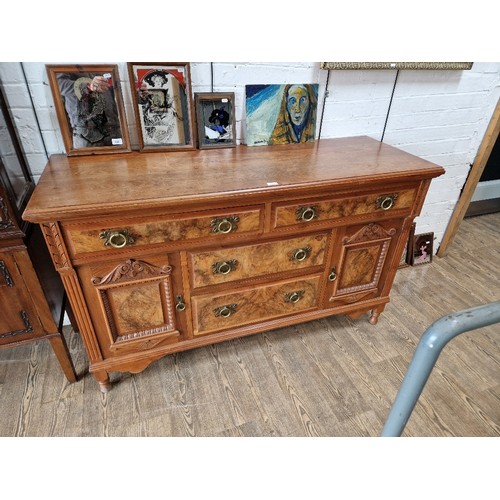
116, 239
294, 297
224, 267
386, 201
224, 225
306, 214
333, 275
225, 311
179, 303
300, 254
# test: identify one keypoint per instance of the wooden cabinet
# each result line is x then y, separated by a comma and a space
163, 252
31, 292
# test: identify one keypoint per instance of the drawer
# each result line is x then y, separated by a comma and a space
304, 212
229, 264
113, 235
213, 313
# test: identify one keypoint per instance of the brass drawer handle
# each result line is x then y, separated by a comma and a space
179, 303
225, 311
294, 297
224, 225
306, 214
333, 275
224, 267
300, 254
116, 239
386, 202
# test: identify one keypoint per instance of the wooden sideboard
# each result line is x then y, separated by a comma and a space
163, 252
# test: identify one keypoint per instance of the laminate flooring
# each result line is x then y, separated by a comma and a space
331, 377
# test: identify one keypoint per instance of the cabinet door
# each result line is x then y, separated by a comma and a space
131, 303
18, 320
362, 261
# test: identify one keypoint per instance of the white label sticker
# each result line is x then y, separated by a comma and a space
116, 142
224, 100
272, 184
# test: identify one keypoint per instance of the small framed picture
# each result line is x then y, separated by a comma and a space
422, 249
215, 120
163, 105
407, 252
89, 108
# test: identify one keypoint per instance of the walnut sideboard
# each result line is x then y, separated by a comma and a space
167, 251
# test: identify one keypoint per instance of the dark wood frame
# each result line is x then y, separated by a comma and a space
18, 200
407, 255
415, 250
212, 97
188, 119
62, 116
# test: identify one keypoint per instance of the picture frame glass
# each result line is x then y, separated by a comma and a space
422, 248
162, 100
216, 121
89, 108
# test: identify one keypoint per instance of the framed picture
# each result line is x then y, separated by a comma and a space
163, 105
89, 107
280, 114
422, 249
215, 119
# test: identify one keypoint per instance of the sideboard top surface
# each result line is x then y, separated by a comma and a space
79, 186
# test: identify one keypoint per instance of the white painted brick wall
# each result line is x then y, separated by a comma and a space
440, 116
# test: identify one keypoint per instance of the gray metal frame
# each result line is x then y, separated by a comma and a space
426, 354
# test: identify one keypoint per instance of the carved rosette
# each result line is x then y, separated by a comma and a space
131, 269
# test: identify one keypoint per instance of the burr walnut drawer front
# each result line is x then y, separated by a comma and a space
230, 264
213, 313
128, 233
321, 210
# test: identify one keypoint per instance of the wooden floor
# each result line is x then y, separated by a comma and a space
331, 377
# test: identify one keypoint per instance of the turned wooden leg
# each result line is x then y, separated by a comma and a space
103, 378
373, 319
60, 349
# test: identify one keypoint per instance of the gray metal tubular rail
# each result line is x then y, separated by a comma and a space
426, 354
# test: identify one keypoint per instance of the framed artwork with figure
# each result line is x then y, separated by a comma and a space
89, 107
422, 249
281, 114
163, 105
215, 119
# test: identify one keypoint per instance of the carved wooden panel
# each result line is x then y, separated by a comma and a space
226, 265
219, 312
156, 230
330, 209
361, 261
136, 303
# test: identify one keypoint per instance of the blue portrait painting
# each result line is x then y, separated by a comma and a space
280, 114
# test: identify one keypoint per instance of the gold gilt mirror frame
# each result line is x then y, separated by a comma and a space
397, 65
